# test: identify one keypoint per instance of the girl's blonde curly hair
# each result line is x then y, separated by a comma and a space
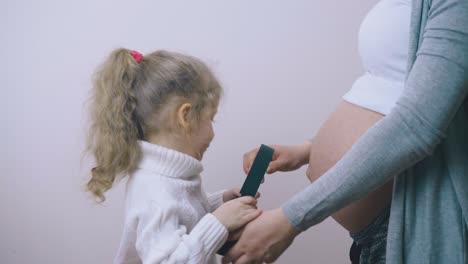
128, 99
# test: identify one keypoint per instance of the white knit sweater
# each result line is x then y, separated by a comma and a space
168, 215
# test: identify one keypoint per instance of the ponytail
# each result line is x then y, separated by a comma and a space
115, 129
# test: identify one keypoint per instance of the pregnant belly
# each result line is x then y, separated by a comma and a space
339, 132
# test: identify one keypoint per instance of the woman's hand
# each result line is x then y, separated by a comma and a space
263, 240
234, 194
285, 157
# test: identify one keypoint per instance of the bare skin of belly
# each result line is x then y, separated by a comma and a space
336, 136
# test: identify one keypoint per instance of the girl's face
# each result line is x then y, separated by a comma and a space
203, 135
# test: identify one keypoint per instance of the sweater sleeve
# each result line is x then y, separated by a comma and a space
215, 199
436, 86
160, 238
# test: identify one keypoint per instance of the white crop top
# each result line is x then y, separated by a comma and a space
383, 47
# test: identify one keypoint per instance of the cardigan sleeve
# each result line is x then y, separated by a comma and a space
436, 86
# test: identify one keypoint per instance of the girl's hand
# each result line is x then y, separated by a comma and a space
234, 194
285, 157
237, 213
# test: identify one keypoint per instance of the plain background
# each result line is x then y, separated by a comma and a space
284, 66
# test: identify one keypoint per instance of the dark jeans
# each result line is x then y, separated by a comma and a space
369, 246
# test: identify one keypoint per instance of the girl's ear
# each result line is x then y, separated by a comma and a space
183, 116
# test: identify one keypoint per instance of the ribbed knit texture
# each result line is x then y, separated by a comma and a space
168, 216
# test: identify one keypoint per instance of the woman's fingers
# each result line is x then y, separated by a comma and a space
275, 165
248, 159
234, 253
244, 259
235, 235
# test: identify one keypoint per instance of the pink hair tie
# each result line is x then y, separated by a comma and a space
137, 56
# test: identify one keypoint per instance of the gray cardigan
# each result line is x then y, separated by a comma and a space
424, 140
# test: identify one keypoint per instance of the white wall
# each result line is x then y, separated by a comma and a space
284, 65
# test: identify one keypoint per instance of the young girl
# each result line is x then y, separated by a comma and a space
151, 119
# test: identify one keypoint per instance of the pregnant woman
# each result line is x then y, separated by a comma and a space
404, 124
383, 46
